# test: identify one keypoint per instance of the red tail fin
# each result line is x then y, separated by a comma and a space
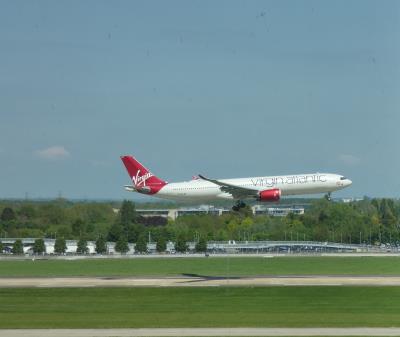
141, 177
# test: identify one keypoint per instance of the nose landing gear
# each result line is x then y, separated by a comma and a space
328, 196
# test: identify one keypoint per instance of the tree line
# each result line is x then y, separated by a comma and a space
372, 221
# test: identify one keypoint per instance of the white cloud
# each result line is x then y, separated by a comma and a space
349, 159
53, 152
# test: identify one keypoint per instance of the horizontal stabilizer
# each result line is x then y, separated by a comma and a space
130, 188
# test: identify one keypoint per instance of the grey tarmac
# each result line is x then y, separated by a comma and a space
361, 331
199, 281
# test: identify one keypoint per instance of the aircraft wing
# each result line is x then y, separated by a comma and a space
237, 192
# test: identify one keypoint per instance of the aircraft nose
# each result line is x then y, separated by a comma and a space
349, 182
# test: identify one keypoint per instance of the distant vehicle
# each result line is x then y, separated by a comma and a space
202, 189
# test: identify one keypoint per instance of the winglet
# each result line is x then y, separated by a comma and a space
214, 181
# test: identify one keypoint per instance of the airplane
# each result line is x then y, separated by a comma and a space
203, 189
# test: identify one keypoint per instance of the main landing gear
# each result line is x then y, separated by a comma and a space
240, 204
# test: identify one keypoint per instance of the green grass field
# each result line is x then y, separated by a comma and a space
213, 266
200, 307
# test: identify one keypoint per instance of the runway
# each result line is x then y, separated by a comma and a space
186, 332
199, 281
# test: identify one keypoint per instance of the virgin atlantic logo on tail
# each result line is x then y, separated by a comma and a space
139, 180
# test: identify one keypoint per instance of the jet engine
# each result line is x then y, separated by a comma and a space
270, 195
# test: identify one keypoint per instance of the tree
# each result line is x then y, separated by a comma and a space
161, 245
180, 244
122, 245
60, 246
27, 211
141, 244
125, 224
115, 233
127, 213
17, 248
8, 214
82, 247
39, 246
101, 246
233, 228
246, 211
52, 213
134, 231
201, 246
388, 219
78, 227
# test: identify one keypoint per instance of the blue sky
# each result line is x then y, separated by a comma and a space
223, 88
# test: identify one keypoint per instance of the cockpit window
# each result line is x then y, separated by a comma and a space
343, 178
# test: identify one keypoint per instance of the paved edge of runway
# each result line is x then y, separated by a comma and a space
191, 332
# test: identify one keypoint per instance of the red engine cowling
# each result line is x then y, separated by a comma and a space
270, 195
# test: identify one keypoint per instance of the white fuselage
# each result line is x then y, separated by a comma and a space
202, 190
